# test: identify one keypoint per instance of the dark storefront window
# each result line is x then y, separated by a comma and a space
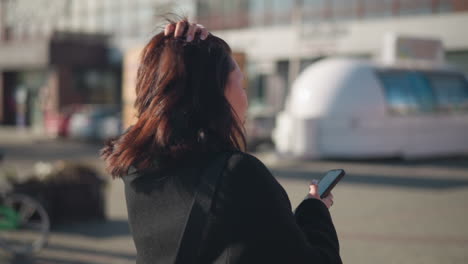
96, 86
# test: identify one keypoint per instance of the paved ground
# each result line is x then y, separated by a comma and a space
393, 211
386, 211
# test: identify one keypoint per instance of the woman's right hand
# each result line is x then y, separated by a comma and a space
179, 27
314, 194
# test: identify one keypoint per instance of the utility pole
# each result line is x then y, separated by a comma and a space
5, 26
2, 20
2, 33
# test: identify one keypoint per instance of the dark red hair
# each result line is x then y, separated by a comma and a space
181, 105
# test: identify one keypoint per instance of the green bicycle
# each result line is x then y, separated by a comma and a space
24, 224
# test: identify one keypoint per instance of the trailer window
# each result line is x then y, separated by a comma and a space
451, 91
407, 92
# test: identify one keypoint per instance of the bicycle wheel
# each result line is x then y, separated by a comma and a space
26, 225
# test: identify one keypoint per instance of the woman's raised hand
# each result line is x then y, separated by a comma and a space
179, 29
314, 193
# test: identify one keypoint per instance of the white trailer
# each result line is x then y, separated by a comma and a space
348, 108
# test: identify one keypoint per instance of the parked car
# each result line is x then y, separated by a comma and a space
95, 122
64, 120
258, 129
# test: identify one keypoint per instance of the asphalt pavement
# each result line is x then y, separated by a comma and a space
385, 211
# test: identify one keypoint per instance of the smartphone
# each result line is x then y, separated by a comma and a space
329, 181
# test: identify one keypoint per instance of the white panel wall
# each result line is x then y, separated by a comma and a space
20, 55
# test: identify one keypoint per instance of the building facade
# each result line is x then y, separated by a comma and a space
127, 22
280, 38
41, 80
277, 38
55, 54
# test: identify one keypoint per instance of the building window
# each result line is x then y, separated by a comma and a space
234, 13
257, 92
203, 8
451, 5
257, 9
344, 9
313, 10
282, 12
415, 7
445, 6
225, 14
377, 8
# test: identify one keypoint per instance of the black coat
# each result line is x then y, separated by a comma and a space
251, 221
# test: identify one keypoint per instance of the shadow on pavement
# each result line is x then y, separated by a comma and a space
40, 260
90, 252
111, 256
398, 181
95, 229
64, 254
442, 162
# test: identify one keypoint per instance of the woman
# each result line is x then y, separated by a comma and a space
191, 107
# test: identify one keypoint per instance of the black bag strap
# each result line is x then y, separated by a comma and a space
192, 236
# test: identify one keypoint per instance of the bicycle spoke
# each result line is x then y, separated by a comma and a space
26, 211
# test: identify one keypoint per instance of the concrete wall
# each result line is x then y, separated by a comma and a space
24, 54
354, 37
